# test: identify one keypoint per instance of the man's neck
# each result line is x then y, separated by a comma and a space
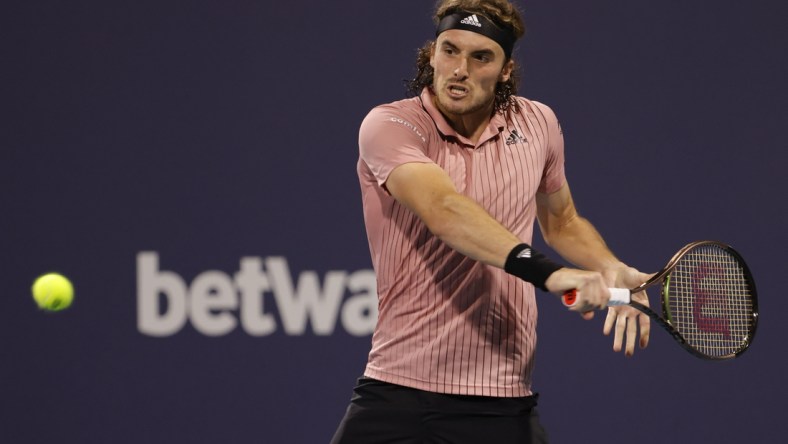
470, 126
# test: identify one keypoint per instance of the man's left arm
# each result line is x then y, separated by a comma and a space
577, 241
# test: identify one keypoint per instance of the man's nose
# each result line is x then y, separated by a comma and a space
461, 72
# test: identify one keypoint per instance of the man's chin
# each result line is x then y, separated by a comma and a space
453, 106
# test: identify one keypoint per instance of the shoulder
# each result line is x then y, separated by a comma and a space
406, 115
411, 104
539, 110
410, 108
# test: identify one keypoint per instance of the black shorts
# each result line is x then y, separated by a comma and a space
380, 412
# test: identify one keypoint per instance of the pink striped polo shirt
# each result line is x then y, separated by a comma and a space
447, 323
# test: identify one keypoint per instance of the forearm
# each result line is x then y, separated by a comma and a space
577, 241
466, 227
426, 190
469, 229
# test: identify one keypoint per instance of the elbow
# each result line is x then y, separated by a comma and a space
551, 237
443, 216
558, 232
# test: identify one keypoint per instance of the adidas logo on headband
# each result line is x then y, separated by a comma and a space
471, 20
468, 21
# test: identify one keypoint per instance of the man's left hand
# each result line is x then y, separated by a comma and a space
625, 319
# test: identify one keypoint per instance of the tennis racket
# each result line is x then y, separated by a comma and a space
709, 302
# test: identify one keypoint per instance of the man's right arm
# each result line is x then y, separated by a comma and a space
427, 190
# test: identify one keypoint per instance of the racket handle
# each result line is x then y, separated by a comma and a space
618, 296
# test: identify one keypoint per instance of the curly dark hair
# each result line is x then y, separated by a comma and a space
500, 12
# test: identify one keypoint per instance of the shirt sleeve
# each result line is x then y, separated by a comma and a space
553, 177
387, 140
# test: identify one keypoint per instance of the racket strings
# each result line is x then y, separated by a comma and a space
710, 301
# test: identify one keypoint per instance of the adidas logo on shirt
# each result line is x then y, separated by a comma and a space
515, 137
471, 20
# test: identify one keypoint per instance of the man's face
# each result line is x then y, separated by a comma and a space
467, 67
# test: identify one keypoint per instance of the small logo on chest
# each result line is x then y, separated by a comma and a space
515, 137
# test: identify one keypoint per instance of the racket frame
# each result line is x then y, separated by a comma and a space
666, 320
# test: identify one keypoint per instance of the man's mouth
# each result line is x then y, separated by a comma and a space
457, 91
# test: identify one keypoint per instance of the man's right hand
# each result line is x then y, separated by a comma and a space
592, 291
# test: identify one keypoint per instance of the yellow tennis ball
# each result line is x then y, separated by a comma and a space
53, 292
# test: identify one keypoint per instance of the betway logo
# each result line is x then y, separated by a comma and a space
216, 303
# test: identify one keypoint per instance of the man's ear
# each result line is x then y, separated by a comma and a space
506, 72
432, 55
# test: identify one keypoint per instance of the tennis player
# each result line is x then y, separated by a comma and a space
452, 183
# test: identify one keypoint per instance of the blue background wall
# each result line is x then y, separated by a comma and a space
211, 131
